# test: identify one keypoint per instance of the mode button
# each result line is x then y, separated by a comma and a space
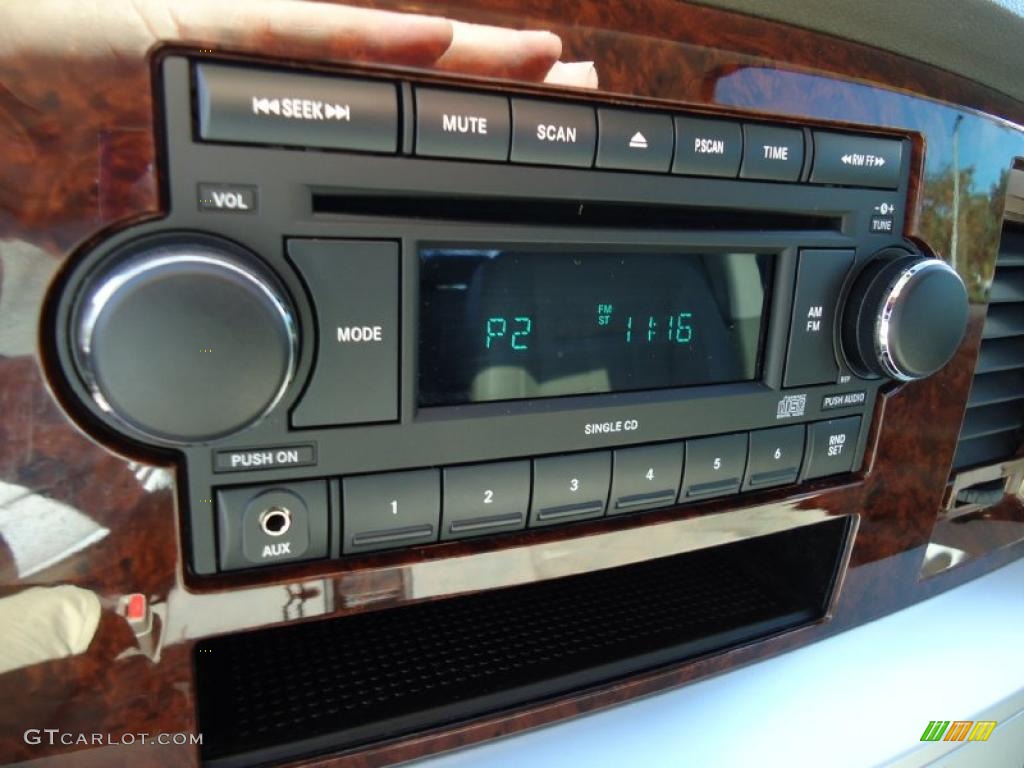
354, 285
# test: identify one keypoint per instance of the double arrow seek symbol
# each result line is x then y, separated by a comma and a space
303, 109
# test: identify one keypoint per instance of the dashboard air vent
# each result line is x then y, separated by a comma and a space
995, 410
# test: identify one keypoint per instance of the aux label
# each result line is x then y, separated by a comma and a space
278, 549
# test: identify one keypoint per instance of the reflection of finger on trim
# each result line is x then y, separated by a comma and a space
478, 49
580, 74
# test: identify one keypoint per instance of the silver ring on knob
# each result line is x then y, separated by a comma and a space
883, 347
111, 283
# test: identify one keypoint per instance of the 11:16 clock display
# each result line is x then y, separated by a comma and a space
515, 324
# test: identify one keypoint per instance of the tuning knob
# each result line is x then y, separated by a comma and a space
904, 317
184, 338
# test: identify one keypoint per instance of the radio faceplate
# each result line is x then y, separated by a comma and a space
347, 459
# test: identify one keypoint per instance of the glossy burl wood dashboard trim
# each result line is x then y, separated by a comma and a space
81, 158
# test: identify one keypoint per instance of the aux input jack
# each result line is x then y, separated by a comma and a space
275, 521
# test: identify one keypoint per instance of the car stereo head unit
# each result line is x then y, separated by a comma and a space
381, 314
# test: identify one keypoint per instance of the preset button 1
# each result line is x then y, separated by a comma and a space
395, 509
548, 133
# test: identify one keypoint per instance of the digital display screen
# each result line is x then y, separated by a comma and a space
523, 323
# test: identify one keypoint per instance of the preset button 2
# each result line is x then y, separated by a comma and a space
485, 498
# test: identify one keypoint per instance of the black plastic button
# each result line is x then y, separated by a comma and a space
354, 285
831, 446
775, 457
460, 124
645, 477
714, 466
395, 509
260, 106
268, 524
707, 147
772, 153
568, 488
549, 133
634, 141
856, 161
485, 498
811, 358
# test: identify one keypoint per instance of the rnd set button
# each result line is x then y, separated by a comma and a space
831, 446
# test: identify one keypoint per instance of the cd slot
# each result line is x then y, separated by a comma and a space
566, 213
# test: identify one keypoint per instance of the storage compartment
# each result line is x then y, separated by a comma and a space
340, 683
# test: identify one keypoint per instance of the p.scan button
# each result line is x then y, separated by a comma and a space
354, 285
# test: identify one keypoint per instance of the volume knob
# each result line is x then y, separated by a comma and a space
184, 338
905, 316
